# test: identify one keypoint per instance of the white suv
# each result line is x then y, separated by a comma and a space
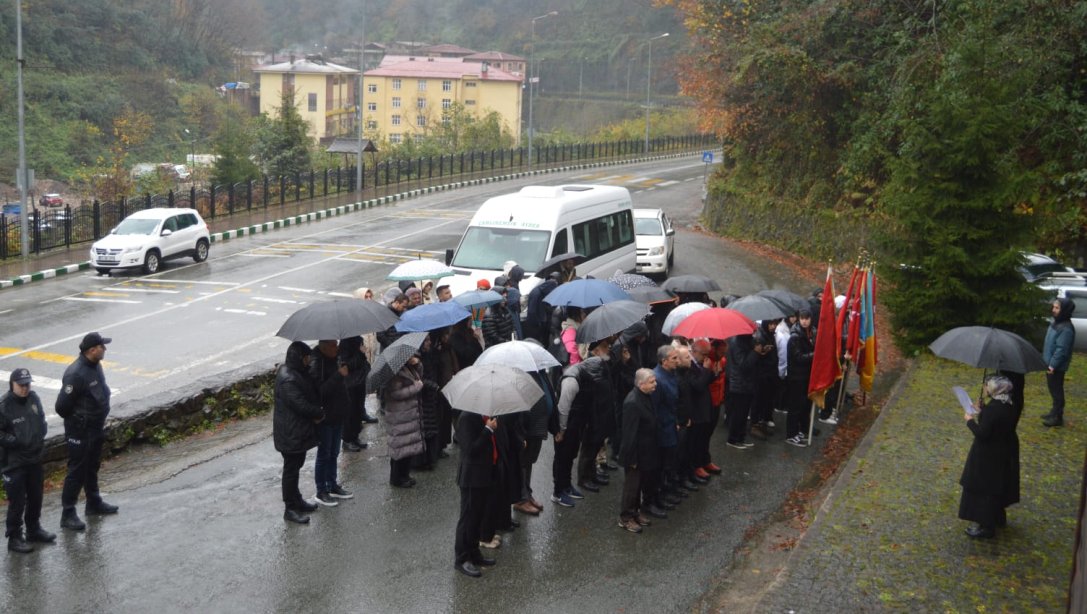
149, 237
656, 242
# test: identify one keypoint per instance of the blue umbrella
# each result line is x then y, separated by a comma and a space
477, 299
585, 293
431, 316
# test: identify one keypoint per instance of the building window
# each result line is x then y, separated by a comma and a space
422, 85
445, 120
371, 106
371, 124
372, 88
469, 103
396, 120
469, 84
394, 137
396, 102
447, 86
312, 98
446, 103
420, 120
396, 84
420, 103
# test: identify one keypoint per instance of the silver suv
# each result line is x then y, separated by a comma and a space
149, 237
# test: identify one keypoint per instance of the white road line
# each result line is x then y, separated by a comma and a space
341, 294
251, 255
242, 312
667, 183
275, 300
147, 290
306, 290
189, 281
39, 381
99, 300
639, 179
6, 311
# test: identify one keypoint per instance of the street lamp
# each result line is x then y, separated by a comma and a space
532, 80
192, 148
648, 86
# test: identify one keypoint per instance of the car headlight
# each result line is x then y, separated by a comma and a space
129, 250
657, 251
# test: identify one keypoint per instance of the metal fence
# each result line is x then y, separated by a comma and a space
62, 228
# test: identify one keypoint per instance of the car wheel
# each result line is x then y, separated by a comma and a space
151, 262
201, 253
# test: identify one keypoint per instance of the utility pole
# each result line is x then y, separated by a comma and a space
24, 214
532, 80
580, 75
648, 86
361, 110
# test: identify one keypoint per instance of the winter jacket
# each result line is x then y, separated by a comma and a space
701, 403
297, 404
22, 431
1060, 338
403, 413
640, 435
84, 392
801, 351
497, 325
539, 314
536, 421
665, 398
577, 351
992, 465
331, 387
465, 345
740, 367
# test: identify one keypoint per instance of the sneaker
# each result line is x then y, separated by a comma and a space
355, 446
630, 525
701, 473
712, 468
326, 499
831, 419
748, 444
564, 500
796, 440
496, 542
574, 493
589, 486
770, 423
338, 492
738, 445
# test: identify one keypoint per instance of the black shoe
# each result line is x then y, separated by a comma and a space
339, 492
443, 454
698, 480
1053, 421
670, 500
601, 480
70, 520
514, 524
589, 486
326, 499
16, 543
610, 466
291, 515
678, 493
408, 483
485, 562
468, 568
306, 507
655, 511
368, 419
355, 446
689, 486
666, 505
99, 508
979, 532
40, 535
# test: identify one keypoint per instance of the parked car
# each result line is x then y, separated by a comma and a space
1045, 271
1079, 314
51, 200
656, 242
149, 237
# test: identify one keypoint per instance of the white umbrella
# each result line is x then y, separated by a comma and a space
678, 314
492, 390
523, 355
418, 270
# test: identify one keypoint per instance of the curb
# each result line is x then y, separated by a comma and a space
296, 220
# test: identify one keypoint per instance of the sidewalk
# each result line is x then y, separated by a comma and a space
887, 538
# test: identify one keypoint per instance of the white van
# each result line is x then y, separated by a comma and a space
539, 222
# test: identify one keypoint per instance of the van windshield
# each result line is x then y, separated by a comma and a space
137, 226
647, 226
490, 248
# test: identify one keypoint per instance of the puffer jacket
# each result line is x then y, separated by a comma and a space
22, 431
801, 352
403, 413
497, 325
740, 366
297, 404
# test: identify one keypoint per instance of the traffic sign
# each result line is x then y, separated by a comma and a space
707, 157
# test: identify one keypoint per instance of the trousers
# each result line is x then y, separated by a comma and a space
292, 465
328, 452
84, 440
473, 504
1055, 382
565, 452
24, 488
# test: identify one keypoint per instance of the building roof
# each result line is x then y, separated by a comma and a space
306, 66
448, 49
345, 145
437, 68
493, 56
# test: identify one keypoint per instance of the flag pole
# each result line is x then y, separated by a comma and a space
841, 389
811, 423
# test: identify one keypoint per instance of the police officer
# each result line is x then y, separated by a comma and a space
84, 405
22, 439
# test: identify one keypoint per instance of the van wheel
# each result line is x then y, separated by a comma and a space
151, 262
201, 253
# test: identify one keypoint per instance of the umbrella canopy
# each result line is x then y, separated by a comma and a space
521, 355
418, 270
610, 319
629, 281
585, 293
477, 299
790, 301
650, 295
432, 316
714, 323
690, 283
492, 390
988, 348
551, 265
393, 358
759, 308
679, 314
338, 319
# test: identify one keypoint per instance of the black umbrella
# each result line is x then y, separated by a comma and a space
393, 358
610, 319
988, 348
551, 265
758, 308
651, 295
790, 301
337, 320
690, 283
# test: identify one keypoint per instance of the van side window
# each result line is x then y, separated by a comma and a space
626, 227
561, 246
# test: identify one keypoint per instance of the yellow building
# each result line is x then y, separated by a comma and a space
323, 92
405, 95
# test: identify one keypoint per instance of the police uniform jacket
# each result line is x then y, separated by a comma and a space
22, 431
84, 393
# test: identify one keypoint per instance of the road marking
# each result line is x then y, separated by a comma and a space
275, 300
148, 290
664, 184
99, 300
188, 281
291, 289
241, 312
6, 311
256, 255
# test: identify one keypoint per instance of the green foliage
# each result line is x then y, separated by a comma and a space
233, 146
283, 143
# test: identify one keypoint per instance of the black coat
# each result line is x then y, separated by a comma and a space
22, 431
701, 403
992, 465
331, 386
740, 366
640, 440
497, 325
84, 392
477, 468
297, 404
466, 347
800, 352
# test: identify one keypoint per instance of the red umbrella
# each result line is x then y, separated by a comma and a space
714, 323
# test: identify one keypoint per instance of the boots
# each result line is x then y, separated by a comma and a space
40, 535
16, 543
70, 520
98, 507
292, 515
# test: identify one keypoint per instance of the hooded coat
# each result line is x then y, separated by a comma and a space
1060, 338
22, 430
297, 404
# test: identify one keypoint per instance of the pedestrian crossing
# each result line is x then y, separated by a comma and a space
635, 182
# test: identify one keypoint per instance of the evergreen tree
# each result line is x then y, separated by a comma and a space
233, 147
284, 142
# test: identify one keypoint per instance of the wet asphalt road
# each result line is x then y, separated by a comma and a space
200, 527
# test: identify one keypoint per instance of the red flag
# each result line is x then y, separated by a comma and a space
852, 344
825, 367
843, 316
